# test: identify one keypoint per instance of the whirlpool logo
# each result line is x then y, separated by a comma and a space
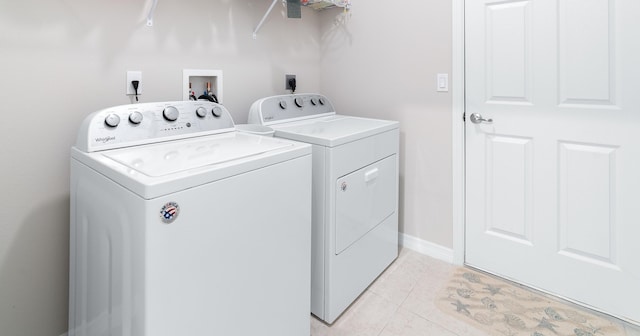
105, 139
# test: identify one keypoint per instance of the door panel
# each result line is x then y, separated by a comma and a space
508, 58
509, 182
552, 182
586, 28
587, 196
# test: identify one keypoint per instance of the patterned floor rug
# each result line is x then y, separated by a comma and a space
502, 308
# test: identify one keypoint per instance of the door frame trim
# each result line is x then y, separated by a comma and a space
457, 131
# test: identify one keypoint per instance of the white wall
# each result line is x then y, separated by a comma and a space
383, 64
62, 59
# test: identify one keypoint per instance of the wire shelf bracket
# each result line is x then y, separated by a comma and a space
255, 31
151, 11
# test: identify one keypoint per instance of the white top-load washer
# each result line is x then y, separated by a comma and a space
161, 239
355, 194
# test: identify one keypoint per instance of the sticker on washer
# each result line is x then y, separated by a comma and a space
169, 212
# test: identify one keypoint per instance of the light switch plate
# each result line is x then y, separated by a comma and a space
442, 83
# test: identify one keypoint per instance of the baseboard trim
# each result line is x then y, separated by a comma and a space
427, 248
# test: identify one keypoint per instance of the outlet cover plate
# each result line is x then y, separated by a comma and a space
131, 76
286, 81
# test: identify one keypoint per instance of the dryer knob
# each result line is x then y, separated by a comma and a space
112, 120
283, 104
201, 112
314, 102
217, 111
136, 117
170, 113
321, 101
299, 102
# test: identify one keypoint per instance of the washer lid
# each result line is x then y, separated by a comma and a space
172, 157
333, 130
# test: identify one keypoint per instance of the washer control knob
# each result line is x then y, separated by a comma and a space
321, 101
170, 113
112, 120
314, 102
299, 102
136, 117
201, 112
217, 111
283, 104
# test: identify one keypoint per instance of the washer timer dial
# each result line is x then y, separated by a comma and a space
170, 113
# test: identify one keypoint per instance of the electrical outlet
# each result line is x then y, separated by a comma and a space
286, 81
131, 76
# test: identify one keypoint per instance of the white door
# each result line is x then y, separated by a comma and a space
553, 182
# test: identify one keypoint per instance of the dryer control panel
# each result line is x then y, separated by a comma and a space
139, 124
287, 108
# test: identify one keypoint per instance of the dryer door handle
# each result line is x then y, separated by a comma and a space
371, 175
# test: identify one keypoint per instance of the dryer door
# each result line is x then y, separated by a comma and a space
364, 199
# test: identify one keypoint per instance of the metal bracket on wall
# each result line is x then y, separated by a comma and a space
293, 9
151, 11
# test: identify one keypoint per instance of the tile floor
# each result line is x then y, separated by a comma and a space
401, 302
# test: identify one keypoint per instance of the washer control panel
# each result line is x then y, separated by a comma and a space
138, 124
287, 108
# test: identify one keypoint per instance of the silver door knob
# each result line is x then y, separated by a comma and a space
477, 118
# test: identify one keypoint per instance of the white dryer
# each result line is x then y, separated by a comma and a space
355, 194
162, 242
